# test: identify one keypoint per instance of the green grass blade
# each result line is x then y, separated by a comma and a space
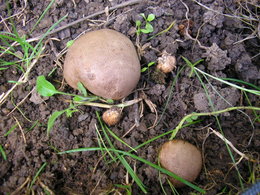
170, 93
141, 160
221, 130
37, 174
3, 153
228, 83
132, 173
43, 14
6, 51
242, 82
164, 134
45, 35
119, 139
52, 120
82, 89
121, 158
10, 130
257, 116
101, 141
161, 184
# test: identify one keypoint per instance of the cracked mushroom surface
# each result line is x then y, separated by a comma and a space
105, 62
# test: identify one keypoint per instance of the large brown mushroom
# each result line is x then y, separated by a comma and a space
105, 62
181, 158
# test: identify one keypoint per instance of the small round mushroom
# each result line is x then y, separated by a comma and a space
105, 62
166, 63
181, 158
112, 116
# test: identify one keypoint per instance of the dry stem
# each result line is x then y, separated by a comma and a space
20, 127
231, 145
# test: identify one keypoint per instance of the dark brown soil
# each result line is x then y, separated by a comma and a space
87, 172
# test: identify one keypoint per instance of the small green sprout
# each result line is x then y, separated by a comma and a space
47, 89
148, 28
147, 67
192, 119
191, 65
3, 153
69, 43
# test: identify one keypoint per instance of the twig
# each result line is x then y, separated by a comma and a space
45, 187
93, 190
21, 187
20, 127
231, 145
230, 16
25, 4
187, 29
99, 160
21, 101
128, 3
152, 107
129, 130
136, 111
100, 105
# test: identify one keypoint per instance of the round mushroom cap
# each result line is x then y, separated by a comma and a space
105, 62
181, 158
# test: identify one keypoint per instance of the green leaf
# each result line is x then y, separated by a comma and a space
44, 87
110, 101
149, 27
52, 120
144, 69
189, 120
150, 64
69, 43
82, 89
71, 110
137, 23
79, 98
143, 15
145, 31
150, 17
194, 118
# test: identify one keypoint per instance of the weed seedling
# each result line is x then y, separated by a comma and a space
147, 67
37, 175
47, 89
148, 27
3, 153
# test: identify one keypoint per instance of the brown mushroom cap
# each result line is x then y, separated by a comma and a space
111, 116
105, 61
181, 158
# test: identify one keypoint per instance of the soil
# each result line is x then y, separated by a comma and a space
226, 53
